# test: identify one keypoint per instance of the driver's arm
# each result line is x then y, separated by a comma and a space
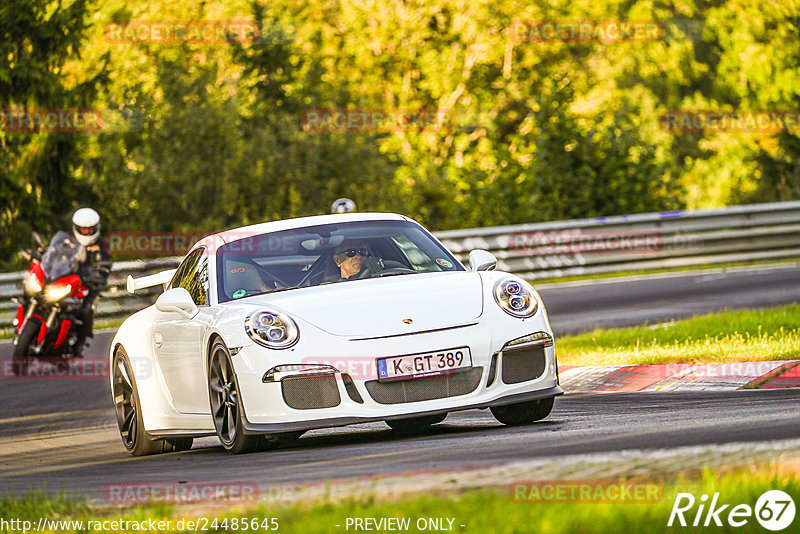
98, 267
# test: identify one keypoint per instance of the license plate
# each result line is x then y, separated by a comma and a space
424, 364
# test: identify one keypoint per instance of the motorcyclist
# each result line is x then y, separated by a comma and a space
94, 268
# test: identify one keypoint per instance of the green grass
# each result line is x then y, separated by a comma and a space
639, 272
491, 511
720, 337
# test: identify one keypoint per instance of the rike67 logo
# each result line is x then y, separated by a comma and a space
774, 510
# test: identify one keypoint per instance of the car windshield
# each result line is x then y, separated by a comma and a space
59, 259
304, 257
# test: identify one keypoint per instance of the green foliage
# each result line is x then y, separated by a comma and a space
38, 168
210, 135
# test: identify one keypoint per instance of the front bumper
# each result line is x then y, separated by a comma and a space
265, 408
265, 428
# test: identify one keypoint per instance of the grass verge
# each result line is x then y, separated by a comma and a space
753, 335
519, 507
639, 272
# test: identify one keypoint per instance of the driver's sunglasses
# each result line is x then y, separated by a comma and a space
352, 252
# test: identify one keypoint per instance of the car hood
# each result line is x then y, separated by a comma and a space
381, 307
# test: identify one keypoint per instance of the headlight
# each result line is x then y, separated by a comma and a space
31, 284
515, 298
272, 329
54, 293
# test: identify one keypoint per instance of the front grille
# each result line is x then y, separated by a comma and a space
521, 365
311, 392
425, 388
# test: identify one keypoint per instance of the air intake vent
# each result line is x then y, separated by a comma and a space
425, 388
350, 388
492, 371
311, 392
523, 364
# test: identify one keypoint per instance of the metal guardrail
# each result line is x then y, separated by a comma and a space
638, 242
556, 249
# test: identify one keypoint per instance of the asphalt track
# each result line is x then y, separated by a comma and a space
61, 434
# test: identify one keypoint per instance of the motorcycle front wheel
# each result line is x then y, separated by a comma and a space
26, 338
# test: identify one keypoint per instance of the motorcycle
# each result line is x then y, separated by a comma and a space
47, 322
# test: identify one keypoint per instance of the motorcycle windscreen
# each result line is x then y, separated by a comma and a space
61, 257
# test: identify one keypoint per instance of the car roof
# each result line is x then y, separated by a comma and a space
229, 236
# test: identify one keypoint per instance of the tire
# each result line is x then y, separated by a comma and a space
523, 412
129, 411
412, 424
20, 359
226, 404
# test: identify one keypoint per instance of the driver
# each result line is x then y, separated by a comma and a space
93, 270
355, 261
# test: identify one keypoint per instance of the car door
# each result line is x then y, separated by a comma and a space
179, 341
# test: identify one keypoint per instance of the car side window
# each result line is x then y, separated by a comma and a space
195, 277
192, 275
179, 273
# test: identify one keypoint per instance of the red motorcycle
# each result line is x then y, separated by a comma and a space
52, 295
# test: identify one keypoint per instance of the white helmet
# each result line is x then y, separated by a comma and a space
86, 226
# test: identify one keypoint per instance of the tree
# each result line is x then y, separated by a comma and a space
37, 39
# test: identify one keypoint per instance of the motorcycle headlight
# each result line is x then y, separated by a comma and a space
515, 298
31, 284
271, 329
54, 293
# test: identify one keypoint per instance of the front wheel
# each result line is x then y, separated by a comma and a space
523, 412
129, 412
20, 359
226, 406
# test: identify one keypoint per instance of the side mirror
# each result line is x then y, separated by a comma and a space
37, 239
177, 300
482, 260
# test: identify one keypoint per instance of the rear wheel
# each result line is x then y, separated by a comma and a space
20, 359
226, 405
412, 424
523, 412
129, 411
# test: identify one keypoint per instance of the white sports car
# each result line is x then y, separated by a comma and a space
270, 330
